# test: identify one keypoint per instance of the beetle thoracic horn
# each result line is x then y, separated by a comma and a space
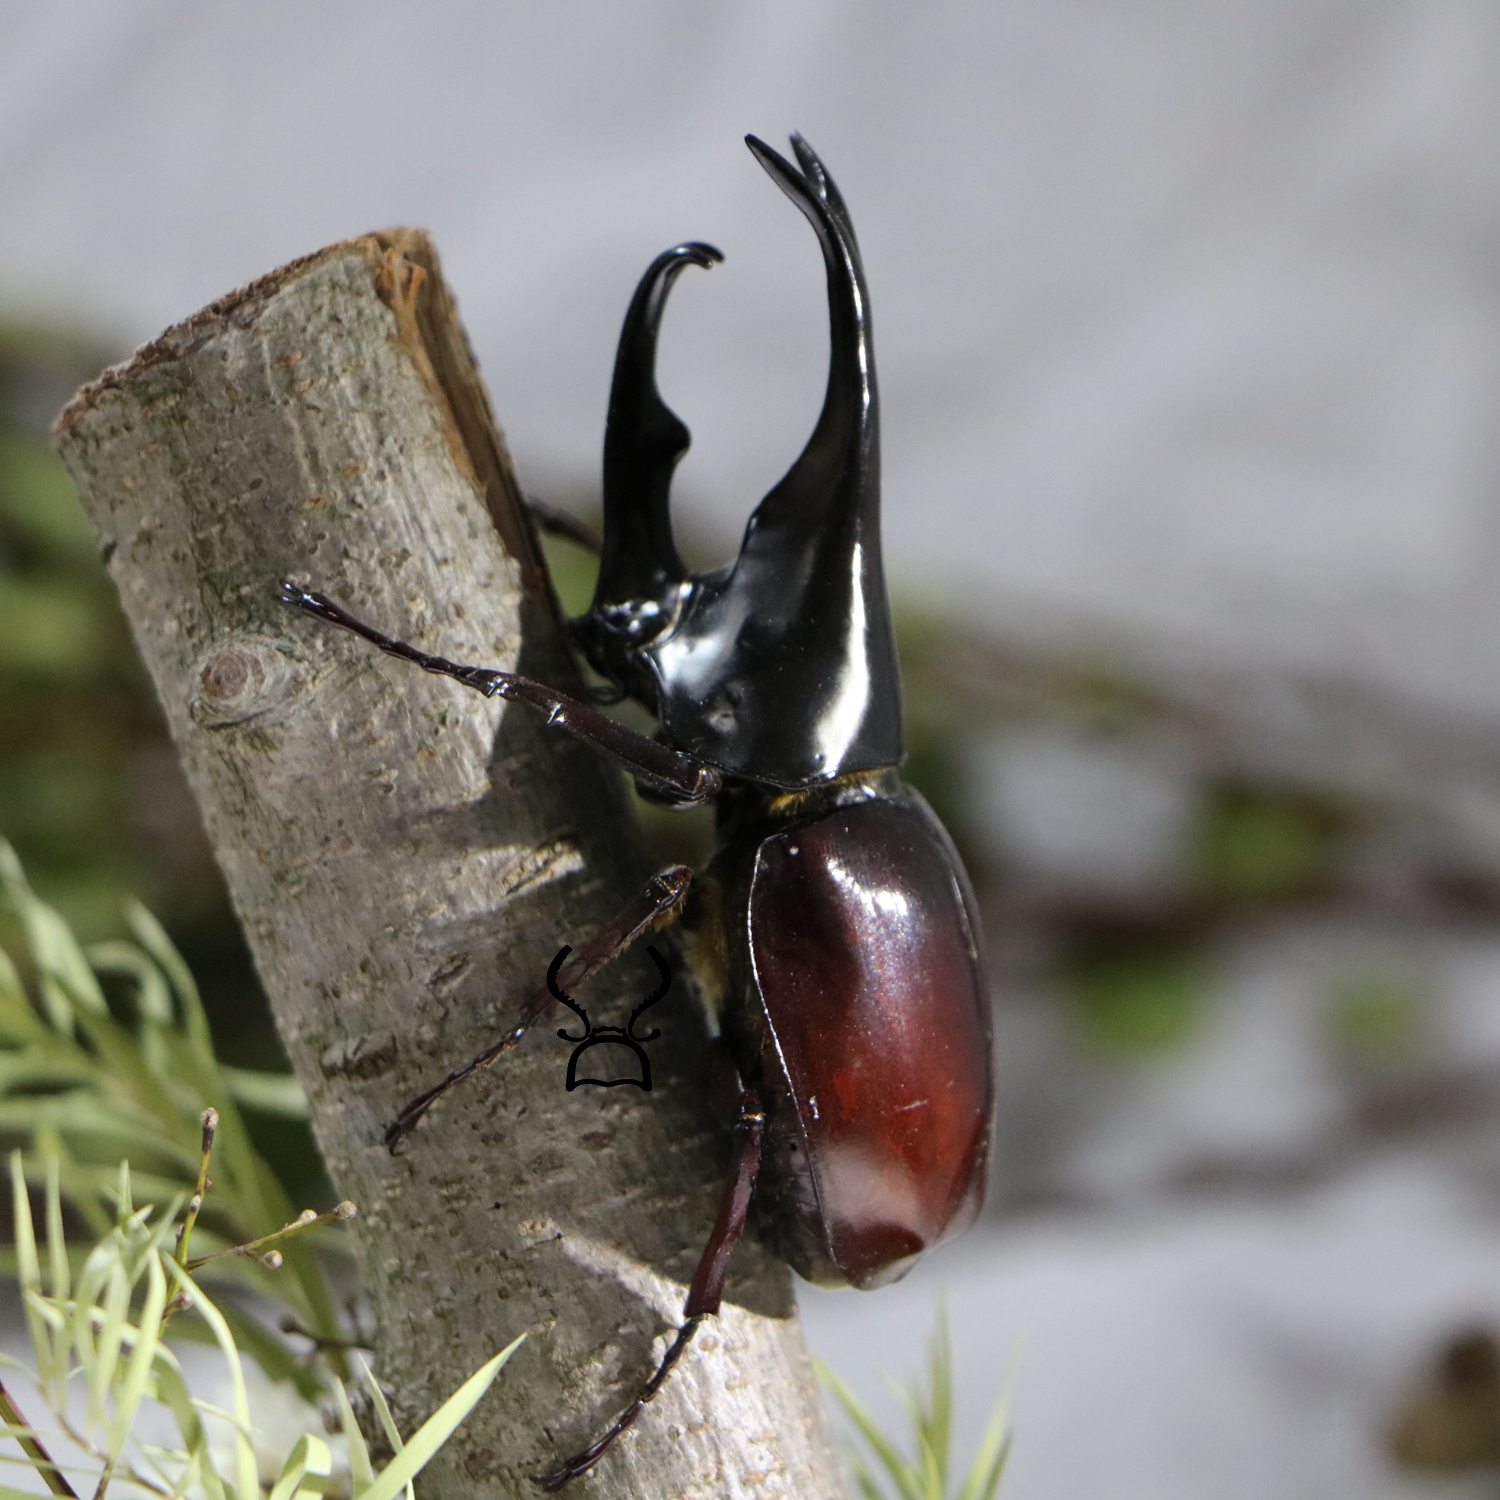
837, 477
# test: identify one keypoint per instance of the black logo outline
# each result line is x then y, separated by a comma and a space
620, 1036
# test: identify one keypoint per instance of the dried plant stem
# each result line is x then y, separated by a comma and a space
195, 1203
33, 1447
306, 1220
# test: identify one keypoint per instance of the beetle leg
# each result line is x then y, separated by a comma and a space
677, 777
706, 1292
555, 522
656, 904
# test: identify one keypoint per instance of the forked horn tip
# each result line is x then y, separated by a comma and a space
807, 182
768, 156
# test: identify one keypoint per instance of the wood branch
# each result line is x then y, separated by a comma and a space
406, 857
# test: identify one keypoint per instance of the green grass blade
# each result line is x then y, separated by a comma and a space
127, 1072
247, 1481
91, 1090
994, 1472
57, 1245
12, 991
936, 1432
29, 1274
276, 1361
29, 1267
306, 1471
387, 1421
273, 1093
173, 1392
989, 1462
92, 1280
437, 1429
988, 1467
190, 1479
929, 1472
361, 1473
153, 999
903, 1476
124, 1200
930, 1410
105, 1368
142, 1358
382, 1408
67, 980
152, 936
76, 1183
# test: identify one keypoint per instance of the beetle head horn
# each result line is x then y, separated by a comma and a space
780, 668
643, 440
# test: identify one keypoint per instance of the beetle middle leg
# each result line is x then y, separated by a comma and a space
658, 903
704, 1295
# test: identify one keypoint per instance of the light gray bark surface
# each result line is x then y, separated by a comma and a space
406, 857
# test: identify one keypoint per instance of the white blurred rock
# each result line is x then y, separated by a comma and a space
1100, 817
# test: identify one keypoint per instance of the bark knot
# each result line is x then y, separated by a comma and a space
243, 679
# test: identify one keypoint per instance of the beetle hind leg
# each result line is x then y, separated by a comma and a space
705, 1294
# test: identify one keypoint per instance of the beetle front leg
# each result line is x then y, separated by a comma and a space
677, 777
706, 1292
656, 904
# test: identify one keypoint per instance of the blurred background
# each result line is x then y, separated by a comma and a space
1188, 320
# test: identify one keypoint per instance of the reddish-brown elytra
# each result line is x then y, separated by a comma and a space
858, 989
835, 932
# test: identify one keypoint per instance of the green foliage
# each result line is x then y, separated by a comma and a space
90, 792
887, 1474
573, 569
1102, 698
1265, 843
105, 1055
1139, 998
1377, 1017
98, 1344
75, 709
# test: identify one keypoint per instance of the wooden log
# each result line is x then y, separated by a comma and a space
406, 857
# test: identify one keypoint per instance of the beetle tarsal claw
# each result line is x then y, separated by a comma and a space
581, 1463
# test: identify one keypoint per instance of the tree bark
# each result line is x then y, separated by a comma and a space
406, 857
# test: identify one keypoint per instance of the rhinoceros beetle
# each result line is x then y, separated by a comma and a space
834, 930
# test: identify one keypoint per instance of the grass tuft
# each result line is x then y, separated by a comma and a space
881, 1471
102, 1366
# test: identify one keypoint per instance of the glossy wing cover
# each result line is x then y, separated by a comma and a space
868, 1009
